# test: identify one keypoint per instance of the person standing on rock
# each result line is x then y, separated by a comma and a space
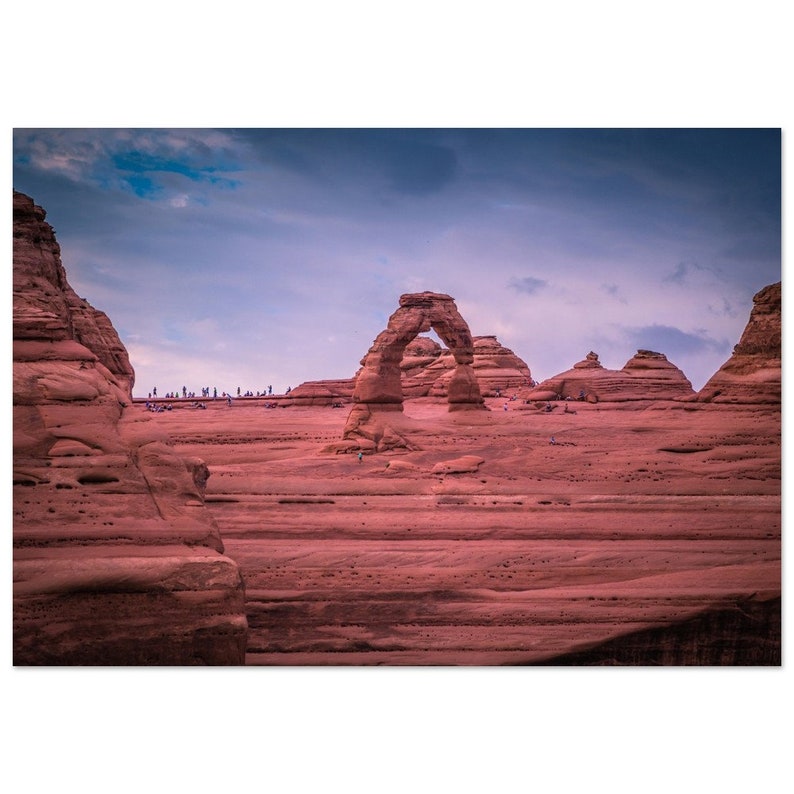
360, 456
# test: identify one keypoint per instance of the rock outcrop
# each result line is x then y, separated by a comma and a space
425, 371
496, 369
378, 388
753, 372
116, 559
379, 380
321, 392
646, 376
49, 317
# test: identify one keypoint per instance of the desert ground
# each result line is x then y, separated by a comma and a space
488, 544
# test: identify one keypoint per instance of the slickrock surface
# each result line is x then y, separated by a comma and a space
753, 373
644, 535
646, 376
636, 528
116, 558
624, 532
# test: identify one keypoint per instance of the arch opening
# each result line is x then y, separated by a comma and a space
379, 383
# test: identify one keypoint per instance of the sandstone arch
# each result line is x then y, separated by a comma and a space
378, 384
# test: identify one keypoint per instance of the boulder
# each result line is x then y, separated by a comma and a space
466, 464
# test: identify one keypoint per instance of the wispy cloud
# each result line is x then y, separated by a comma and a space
613, 290
529, 285
674, 341
722, 308
139, 160
686, 272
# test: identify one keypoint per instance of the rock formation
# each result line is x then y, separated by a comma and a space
379, 381
646, 376
496, 368
50, 321
753, 373
116, 559
378, 388
425, 371
321, 392
419, 368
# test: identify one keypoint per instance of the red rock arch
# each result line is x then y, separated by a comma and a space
378, 384
379, 381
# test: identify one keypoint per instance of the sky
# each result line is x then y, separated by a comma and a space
258, 257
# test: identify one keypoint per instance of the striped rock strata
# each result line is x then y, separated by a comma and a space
646, 376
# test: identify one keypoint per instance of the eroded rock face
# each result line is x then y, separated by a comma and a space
116, 559
49, 317
753, 373
378, 388
648, 375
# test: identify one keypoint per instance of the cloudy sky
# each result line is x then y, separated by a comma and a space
256, 257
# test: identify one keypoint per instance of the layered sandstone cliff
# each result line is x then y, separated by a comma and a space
753, 373
116, 559
646, 376
51, 323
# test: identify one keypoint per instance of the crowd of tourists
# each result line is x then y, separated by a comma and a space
208, 393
